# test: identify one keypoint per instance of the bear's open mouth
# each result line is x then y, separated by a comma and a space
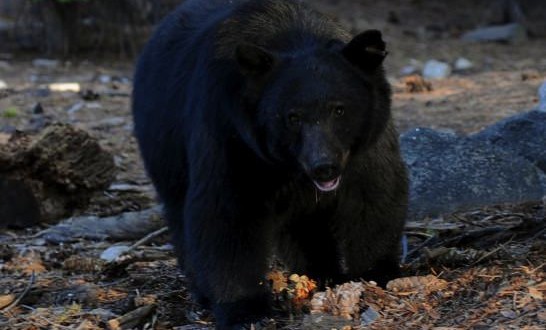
327, 185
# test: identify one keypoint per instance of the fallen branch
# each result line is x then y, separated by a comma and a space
148, 238
126, 226
131, 319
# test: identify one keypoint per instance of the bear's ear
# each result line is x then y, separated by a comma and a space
253, 60
366, 50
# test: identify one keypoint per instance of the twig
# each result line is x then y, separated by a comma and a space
51, 323
419, 247
148, 237
488, 254
24, 293
535, 236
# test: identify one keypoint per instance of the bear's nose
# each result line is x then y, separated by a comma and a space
325, 172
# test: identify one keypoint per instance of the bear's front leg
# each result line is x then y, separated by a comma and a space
370, 237
226, 260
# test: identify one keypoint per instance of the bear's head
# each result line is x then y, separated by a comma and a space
314, 109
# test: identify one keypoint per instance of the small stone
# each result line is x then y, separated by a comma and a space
103, 314
113, 252
368, 316
3, 85
509, 314
105, 79
408, 70
542, 97
125, 81
90, 95
436, 70
38, 109
462, 64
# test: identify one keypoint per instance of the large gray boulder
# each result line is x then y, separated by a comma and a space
523, 135
450, 173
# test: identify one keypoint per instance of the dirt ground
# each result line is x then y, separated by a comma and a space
493, 278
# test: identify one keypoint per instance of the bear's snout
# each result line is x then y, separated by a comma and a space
326, 176
325, 172
322, 158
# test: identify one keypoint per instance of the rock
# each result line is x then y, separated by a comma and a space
512, 32
122, 227
436, 70
414, 66
408, 70
462, 64
3, 85
105, 79
450, 172
523, 134
368, 316
65, 87
38, 109
89, 95
45, 63
542, 97
113, 252
51, 175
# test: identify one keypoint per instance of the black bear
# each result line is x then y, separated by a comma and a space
266, 130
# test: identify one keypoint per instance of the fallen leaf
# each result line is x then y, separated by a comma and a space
343, 300
303, 286
509, 314
6, 300
278, 281
28, 264
535, 293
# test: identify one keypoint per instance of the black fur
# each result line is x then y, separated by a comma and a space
243, 110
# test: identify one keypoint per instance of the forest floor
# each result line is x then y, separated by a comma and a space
489, 264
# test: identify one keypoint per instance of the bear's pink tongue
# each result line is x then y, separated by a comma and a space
327, 185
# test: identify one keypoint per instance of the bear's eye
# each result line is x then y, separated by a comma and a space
294, 119
339, 110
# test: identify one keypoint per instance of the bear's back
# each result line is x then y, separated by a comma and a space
276, 25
